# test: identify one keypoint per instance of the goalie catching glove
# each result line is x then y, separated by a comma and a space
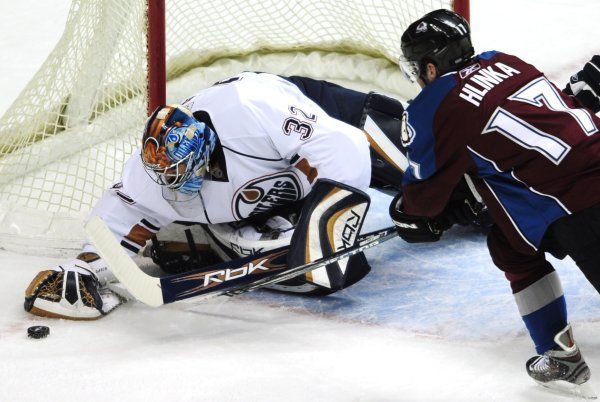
585, 85
70, 291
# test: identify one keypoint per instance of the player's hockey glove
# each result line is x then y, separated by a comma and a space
415, 229
70, 291
464, 209
585, 85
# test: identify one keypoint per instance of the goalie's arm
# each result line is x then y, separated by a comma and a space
132, 208
131, 225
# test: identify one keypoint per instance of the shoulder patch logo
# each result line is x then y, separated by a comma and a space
265, 193
465, 72
407, 133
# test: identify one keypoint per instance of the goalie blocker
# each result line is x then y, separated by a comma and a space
330, 220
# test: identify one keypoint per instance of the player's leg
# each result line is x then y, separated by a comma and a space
579, 236
381, 120
241, 239
330, 219
539, 296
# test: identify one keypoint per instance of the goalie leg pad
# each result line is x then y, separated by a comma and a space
232, 241
241, 239
331, 219
382, 122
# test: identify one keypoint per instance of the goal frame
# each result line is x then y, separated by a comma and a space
157, 65
66, 137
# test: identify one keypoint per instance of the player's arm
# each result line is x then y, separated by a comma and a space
77, 289
435, 192
464, 208
585, 85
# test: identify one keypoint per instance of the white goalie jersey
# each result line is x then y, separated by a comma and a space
273, 144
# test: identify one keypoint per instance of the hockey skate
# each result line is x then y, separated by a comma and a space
563, 368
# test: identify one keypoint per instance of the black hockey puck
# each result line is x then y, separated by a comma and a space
38, 332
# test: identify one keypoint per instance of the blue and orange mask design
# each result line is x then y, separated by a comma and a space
176, 148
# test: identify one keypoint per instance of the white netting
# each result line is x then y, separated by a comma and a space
66, 137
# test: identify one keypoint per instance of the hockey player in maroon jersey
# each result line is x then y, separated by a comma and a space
533, 154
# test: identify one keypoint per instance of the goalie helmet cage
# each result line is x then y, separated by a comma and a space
65, 139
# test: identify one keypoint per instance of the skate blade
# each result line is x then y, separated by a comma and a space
584, 390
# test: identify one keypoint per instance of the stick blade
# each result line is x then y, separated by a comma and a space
143, 287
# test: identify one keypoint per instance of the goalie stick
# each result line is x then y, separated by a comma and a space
228, 278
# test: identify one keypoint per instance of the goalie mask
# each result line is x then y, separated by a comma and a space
176, 148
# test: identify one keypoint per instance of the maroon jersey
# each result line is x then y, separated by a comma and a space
532, 151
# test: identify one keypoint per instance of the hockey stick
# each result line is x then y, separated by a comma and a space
228, 278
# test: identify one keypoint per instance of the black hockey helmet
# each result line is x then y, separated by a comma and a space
441, 37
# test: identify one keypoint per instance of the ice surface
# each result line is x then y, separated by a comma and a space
432, 322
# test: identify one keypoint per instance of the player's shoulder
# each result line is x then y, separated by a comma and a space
429, 99
135, 179
245, 91
253, 83
496, 58
264, 88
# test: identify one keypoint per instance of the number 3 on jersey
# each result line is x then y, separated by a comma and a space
300, 123
538, 92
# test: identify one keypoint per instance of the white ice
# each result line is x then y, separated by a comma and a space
432, 322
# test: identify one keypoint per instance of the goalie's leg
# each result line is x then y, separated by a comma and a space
331, 219
381, 121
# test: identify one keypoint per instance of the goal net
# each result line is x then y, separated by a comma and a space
65, 138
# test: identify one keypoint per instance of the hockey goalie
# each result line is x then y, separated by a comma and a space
251, 160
